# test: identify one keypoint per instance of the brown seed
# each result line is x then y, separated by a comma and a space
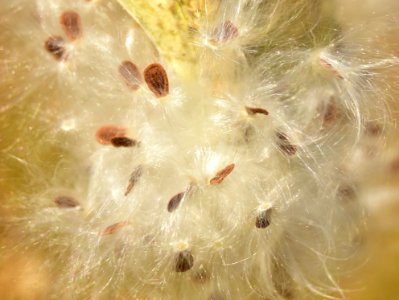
222, 174
201, 275
328, 112
184, 261
55, 46
71, 24
329, 67
131, 74
134, 178
346, 192
373, 129
256, 110
288, 149
263, 219
114, 228
122, 141
66, 202
106, 133
174, 202
284, 144
225, 32
157, 80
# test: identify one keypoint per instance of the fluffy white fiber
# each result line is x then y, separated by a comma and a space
235, 185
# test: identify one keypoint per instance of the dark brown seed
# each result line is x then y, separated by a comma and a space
66, 202
55, 45
114, 228
282, 136
122, 141
157, 80
346, 193
71, 24
225, 32
134, 178
284, 144
329, 112
288, 149
174, 202
131, 74
222, 174
105, 134
256, 110
184, 261
263, 219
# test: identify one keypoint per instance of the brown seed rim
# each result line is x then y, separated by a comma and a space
106, 133
112, 229
174, 202
222, 174
65, 202
134, 178
256, 110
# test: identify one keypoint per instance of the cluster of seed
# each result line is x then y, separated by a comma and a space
153, 80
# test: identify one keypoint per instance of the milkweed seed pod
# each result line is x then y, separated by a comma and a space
185, 149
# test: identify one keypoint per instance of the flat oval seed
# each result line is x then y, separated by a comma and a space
329, 67
288, 149
263, 219
134, 178
114, 228
123, 142
225, 32
175, 201
222, 174
66, 202
256, 110
131, 74
157, 80
71, 24
284, 144
55, 45
184, 261
105, 134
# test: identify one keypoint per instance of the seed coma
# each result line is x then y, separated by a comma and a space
134, 178
256, 110
263, 219
71, 24
66, 202
114, 228
55, 45
184, 261
123, 142
285, 145
105, 134
130, 74
174, 202
157, 80
222, 174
